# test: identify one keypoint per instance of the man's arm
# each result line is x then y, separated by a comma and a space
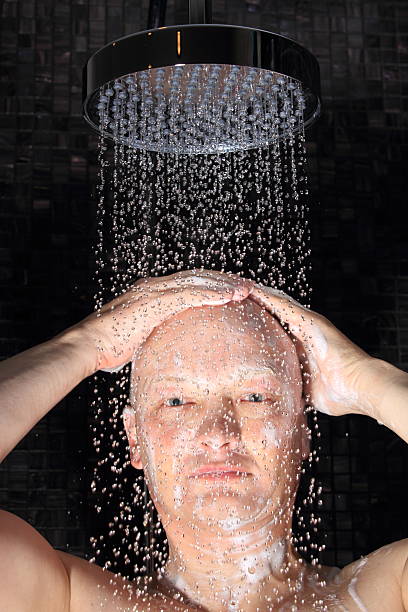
32, 575
339, 377
387, 397
33, 382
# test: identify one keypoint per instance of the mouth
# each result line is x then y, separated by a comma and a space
220, 472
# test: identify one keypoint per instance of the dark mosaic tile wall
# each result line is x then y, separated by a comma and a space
358, 153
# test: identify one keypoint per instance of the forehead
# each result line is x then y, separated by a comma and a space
216, 342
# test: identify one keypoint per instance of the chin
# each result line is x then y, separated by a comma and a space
225, 510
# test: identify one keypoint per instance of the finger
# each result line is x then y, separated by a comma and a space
202, 295
217, 280
285, 308
180, 276
311, 331
172, 302
241, 286
294, 318
149, 287
157, 306
214, 279
196, 275
242, 292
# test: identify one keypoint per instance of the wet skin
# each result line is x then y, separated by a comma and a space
245, 413
222, 385
217, 389
216, 385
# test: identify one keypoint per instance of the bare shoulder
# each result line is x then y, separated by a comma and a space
389, 559
93, 588
35, 576
379, 580
30, 569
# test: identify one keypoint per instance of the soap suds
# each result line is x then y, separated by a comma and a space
269, 431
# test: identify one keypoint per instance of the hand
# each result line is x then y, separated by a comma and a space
122, 325
339, 377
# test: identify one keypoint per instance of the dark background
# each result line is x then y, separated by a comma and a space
357, 169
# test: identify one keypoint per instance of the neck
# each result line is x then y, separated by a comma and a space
214, 566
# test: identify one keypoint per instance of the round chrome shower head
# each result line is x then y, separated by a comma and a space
201, 89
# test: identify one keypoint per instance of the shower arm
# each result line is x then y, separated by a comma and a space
157, 14
200, 11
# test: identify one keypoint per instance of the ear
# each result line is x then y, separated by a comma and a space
130, 428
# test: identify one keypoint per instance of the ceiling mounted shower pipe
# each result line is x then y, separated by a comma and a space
157, 14
200, 11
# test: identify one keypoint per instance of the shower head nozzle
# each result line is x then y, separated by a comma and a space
201, 88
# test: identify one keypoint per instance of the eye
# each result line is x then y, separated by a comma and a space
254, 397
174, 401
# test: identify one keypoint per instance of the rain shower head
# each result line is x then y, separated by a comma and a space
201, 88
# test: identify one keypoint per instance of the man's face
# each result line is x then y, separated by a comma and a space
219, 416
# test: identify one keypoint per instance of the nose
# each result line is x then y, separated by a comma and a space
220, 429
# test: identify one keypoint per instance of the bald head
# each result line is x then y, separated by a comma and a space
212, 339
218, 384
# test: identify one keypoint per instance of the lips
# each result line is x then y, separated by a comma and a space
219, 471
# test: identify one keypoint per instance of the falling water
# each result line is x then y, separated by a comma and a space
198, 177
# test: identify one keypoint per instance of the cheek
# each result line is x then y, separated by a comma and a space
264, 437
270, 439
164, 441
157, 451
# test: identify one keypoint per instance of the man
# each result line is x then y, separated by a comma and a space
216, 420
